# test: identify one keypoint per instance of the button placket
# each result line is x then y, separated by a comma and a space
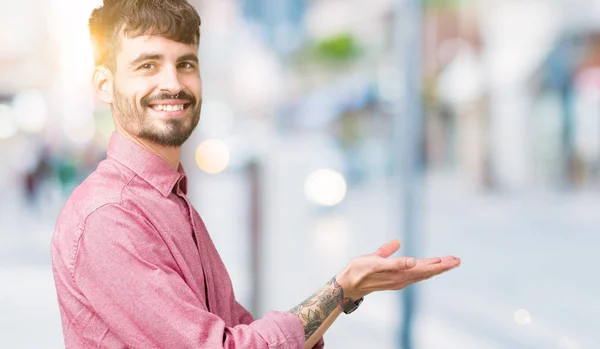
201, 251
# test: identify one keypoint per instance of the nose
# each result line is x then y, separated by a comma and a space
169, 81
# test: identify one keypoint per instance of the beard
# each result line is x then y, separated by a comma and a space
137, 121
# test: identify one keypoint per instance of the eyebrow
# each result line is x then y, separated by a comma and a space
188, 57
146, 57
157, 57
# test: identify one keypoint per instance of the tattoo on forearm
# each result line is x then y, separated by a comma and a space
314, 310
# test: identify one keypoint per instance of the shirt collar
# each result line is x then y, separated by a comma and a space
147, 165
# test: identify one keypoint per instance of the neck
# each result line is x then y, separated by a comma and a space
169, 154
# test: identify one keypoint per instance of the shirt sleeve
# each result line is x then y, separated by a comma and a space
246, 318
127, 274
243, 315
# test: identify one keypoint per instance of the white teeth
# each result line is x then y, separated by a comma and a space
168, 107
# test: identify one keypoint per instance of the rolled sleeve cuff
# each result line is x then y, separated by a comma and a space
281, 330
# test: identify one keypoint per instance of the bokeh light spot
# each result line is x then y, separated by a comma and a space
325, 187
212, 156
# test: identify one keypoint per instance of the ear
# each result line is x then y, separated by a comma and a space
103, 84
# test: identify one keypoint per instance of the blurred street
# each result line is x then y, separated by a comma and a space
543, 263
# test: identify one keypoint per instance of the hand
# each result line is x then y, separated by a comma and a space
377, 272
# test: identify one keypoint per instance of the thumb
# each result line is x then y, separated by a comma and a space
388, 249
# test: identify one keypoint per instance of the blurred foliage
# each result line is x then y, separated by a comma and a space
67, 172
337, 48
333, 54
445, 5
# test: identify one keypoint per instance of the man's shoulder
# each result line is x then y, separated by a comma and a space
101, 188
101, 193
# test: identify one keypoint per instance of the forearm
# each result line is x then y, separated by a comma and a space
319, 311
363, 275
320, 332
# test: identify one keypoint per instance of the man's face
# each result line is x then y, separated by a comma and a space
157, 89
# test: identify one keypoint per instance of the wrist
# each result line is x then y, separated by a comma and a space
346, 302
344, 280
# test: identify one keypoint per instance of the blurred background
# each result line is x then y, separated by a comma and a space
465, 127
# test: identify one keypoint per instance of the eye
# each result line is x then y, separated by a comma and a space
147, 66
186, 65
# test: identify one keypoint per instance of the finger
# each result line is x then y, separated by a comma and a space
448, 262
388, 249
398, 264
451, 260
423, 272
427, 261
434, 260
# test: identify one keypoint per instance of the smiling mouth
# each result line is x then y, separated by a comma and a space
169, 107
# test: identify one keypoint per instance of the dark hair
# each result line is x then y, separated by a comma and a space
176, 20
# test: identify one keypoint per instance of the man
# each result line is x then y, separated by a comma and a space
133, 263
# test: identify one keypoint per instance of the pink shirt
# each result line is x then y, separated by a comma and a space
134, 266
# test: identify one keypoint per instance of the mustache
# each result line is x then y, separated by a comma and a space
145, 102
